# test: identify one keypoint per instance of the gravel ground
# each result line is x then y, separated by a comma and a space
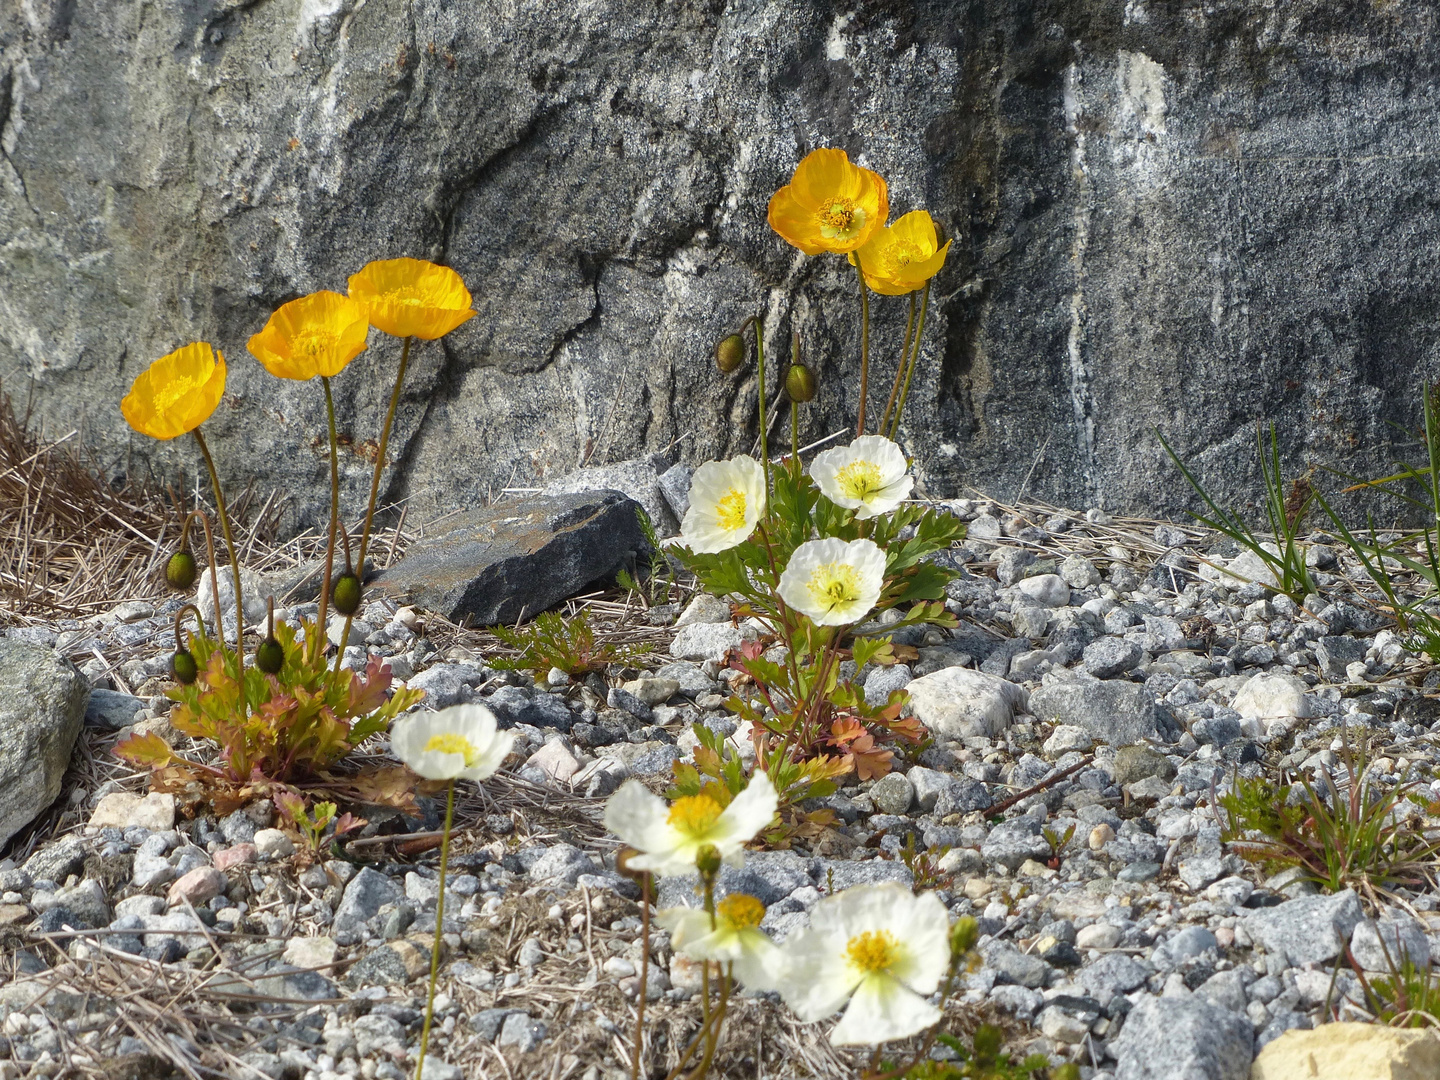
1106, 664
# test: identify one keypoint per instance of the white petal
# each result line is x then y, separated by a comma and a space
637, 816
408, 738
702, 530
748, 813
685, 925
492, 754
889, 462
882, 1009
866, 559
813, 977
760, 963
438, 765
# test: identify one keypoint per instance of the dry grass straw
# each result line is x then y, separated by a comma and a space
70, 543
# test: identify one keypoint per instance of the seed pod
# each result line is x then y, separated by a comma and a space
270, 656
345, 593
183, 666
730, 354
800, 383
180, 570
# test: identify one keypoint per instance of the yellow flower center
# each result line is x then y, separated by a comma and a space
452, 743
834, 585
730, 510
840, 219
903, 253
741, 911
860, 480
694, 815
872, 951
311, 344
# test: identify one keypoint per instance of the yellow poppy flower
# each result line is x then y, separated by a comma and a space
411, 297
177, 393
316, 335
829, 204
902, 257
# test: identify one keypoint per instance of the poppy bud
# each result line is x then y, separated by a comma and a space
707, 861
800, 383
345, 593
183, 666
730, 354
270, 656
180, 570
963, 935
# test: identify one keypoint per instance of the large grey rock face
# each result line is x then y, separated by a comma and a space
1161, 218
42, 708
516, 559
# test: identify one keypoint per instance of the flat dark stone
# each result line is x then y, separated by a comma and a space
516, 559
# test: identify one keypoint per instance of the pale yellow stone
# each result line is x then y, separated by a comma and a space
1100, 835
1031, 868
311, 952
121, 809
1350, 1052
977, 887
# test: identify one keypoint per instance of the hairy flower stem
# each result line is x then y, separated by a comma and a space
439, 931
234, 567
914, 361
900, 370
214, 568
795, 411
317, 647
179, 617
644, 975
713, 1040
375, 486
864, 346
756, 323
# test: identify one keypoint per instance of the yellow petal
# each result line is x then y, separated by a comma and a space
412, 298
794, 222
177, 393
315, 335
829, 204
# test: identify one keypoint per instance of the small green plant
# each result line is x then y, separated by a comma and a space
656, 588
294, 723
1284, 511
1336, 838
1384, 561
1409, 997
555, 641
1057, 842
312, 824
924, 866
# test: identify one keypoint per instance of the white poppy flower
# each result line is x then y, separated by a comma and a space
879, 947
732, 938
458, 743
727, 499
670, 837
869, 476
834, 582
